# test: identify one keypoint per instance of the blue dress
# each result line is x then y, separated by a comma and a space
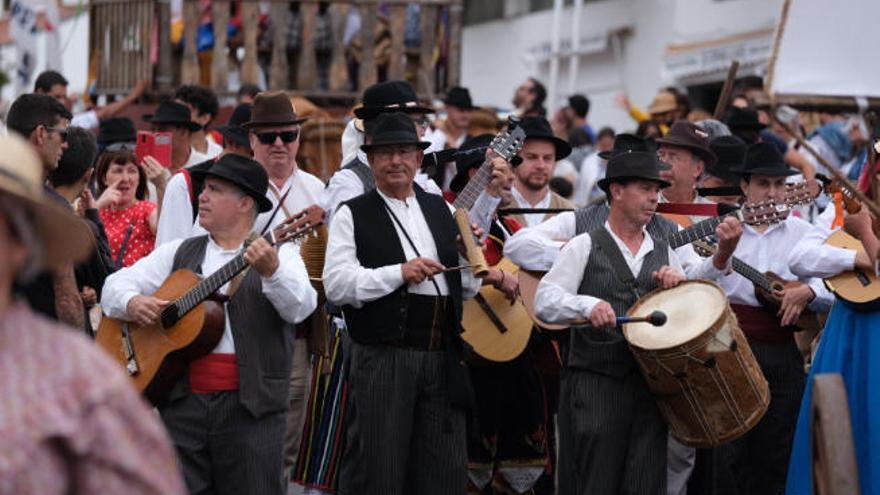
850, 346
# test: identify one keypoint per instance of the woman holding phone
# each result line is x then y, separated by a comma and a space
129, 218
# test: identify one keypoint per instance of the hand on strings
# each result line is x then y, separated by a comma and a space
668, 277
502, 177
505, 282
728, 231
794, 300
602, 316
145, 310
262, 256
416, 270
858, 224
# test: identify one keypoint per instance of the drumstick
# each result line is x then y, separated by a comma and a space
656, 318
456, 268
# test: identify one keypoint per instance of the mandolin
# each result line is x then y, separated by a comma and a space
768, 285
155, 356
857, 286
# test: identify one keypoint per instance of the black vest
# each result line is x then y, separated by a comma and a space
384, 320
602, 350
363, 172
263, 340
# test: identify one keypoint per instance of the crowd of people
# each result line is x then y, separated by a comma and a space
356, 381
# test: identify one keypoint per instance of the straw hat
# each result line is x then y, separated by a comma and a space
65, 237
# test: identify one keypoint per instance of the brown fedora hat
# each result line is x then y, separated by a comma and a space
685, 134
65, 238
272, 109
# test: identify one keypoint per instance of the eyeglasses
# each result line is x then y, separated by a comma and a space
386, 152
287, 137
62, 133
420, 120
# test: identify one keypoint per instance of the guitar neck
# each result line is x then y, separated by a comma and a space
699, 230
757, 278
468, 196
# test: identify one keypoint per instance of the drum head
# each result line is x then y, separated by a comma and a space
691, 308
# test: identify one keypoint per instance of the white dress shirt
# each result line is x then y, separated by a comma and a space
811, 257
769, 251
557, 299
346, 281
345, 185
532, 219
175, 220
538, 247
288, 289
586, 188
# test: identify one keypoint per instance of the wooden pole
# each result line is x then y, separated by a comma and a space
726, 90
189, 70
220, 61
278, 67
777, 39
164, 78
838, 175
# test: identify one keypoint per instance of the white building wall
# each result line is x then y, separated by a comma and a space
497, 56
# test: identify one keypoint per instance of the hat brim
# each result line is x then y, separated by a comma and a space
458, 104
769, 172
563, 149
654, 110
263, 203
423, 145
256, 124
367, 113
607, 181
704, 154
66, 238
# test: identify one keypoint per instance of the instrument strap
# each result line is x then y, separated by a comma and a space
278, 207
124, 246
409, 240
699, 209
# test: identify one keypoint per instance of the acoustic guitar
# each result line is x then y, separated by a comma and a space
858, 287
768, 285
155, 356
495, 328
764, 212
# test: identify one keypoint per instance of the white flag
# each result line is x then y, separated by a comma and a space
53, 36
23, 30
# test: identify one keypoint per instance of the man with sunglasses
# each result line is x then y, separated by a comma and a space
43, 121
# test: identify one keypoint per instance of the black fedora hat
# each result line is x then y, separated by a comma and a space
743, 119
233, 129
390, 96
173, 113
469, 156
394, 128
539, 128
625, 142
272, 108
245, 173
459, 97
731, 153
688, 135
633, 165
116, 130
765, 159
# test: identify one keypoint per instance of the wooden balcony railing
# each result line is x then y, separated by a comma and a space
306, 47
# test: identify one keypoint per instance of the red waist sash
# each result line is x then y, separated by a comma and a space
213, 373
761, 324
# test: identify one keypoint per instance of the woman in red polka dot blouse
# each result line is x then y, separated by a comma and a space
129, 219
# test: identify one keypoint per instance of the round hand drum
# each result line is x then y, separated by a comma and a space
698, 365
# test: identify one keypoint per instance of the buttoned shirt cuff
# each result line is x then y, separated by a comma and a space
824, 299
586, 305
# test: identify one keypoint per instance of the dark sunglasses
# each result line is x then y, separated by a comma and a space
287, 137
62, 133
